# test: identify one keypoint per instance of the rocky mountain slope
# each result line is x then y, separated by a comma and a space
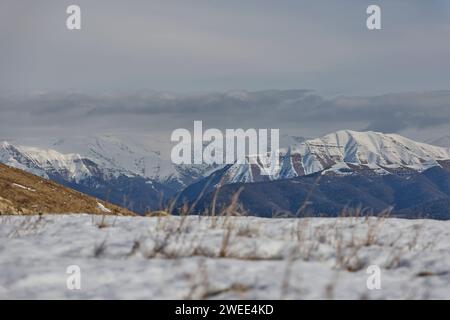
25, 193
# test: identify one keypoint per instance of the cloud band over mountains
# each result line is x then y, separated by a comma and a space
302, 111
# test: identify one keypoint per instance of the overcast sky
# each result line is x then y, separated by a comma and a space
101, 78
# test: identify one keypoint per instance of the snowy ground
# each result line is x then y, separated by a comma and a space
229, 258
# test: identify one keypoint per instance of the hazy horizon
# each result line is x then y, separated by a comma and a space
423, 116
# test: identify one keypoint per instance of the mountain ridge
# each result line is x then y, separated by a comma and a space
374, 150
110, 169
23, 193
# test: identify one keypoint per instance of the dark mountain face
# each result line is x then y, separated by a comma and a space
404, 193
137, 194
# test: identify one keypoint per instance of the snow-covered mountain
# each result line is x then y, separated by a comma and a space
342, 152
138, 173
46, 162
107, 167
145, 157
78, 158
346, 170
142, 156
107, 180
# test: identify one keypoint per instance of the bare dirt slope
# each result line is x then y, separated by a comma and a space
25, 193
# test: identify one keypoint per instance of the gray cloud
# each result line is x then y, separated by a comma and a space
216, 46
301, 112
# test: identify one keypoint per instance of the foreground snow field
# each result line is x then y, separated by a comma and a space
229, 258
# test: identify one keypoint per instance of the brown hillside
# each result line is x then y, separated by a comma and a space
25, 193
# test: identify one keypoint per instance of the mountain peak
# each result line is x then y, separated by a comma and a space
375, 151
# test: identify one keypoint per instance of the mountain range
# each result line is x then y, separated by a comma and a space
353, 169
129, 174
345, 171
